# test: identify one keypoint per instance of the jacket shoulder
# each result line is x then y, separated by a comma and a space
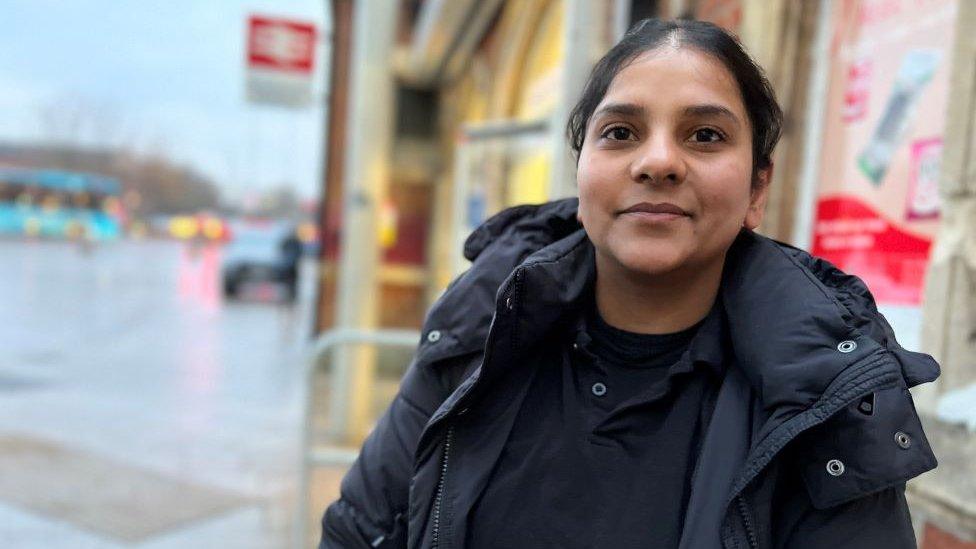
875, 442
861, 312
456, 326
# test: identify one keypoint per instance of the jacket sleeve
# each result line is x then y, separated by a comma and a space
878, 520
372, 509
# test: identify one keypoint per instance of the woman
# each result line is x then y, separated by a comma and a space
661, 377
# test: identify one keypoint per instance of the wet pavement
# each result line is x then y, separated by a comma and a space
137, 408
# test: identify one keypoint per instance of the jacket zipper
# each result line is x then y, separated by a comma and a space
449, 439
747, 522
440, 486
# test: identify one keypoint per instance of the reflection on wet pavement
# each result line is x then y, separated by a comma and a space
127, 358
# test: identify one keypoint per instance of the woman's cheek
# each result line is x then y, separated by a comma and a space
592, 191
590, 215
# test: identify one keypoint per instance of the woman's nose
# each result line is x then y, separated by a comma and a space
658, 159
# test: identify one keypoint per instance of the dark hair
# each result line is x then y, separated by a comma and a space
765, 115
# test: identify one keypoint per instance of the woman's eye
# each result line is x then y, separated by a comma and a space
707, 135
617, 133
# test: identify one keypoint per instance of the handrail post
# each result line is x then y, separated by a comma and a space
339, 429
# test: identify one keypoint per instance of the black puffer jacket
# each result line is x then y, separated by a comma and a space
812, 439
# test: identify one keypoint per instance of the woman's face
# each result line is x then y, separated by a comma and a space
665, 170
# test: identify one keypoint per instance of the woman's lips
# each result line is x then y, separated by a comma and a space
649, 216
660, 212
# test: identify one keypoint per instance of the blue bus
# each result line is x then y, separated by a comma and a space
59, 204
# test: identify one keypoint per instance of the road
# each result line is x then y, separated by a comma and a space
137, 408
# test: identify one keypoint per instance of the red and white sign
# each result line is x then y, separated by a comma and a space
280, 60
280, 44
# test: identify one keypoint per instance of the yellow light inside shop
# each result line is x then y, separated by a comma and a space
528, 181
183, 227
388, 225
542, 72
532, 174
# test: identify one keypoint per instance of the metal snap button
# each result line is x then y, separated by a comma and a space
508, 302
599, 389
434, 336
846, 346
904, 441
835, 467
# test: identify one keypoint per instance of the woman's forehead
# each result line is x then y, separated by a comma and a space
676, 78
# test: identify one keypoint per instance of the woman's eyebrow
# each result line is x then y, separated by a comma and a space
711, 110
621, 109
700, 111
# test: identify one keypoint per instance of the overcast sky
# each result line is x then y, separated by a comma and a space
158, 75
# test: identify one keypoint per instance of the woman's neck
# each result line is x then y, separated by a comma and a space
658, 304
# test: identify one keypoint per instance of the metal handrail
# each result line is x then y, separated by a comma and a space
344, 336
312, 456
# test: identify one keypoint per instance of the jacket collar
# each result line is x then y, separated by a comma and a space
784, 328
706, 347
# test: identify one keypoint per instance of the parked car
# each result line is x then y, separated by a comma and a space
258, 253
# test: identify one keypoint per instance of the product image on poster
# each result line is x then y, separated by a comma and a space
916, 71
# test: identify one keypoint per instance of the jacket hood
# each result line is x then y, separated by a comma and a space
795, 322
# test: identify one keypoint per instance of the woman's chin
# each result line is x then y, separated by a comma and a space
656, 262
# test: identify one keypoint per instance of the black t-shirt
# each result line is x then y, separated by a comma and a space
604, 446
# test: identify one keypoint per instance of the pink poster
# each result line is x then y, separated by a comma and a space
878, 201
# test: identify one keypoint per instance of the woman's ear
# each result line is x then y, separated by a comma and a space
757, 199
